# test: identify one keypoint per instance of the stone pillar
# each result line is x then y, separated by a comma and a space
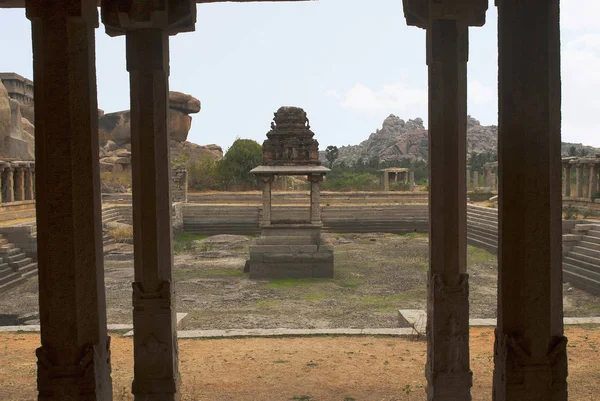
147, 26
448, 373
396, 177
73, 361
267, 182
9, 184
315, 199
567, 181
29, 184
579, 180
530, 349
386, 181
486, 177
19, 184
412, 181
475, 179
593, 185
468, 185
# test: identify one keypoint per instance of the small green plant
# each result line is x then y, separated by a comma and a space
312, 364
570, 212
302, 398
407, 390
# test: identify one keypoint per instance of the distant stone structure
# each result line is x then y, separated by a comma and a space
397, 174
288, 247
19, 88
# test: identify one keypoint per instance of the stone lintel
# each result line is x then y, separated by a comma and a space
290, 170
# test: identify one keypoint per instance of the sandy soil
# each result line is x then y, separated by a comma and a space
376, 274
306, 369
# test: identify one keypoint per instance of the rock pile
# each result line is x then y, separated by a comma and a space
114, 130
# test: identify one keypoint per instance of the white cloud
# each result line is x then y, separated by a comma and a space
581, 89
479, 93
395, 98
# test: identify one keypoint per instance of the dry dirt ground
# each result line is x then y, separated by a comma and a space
375, 275
303, 369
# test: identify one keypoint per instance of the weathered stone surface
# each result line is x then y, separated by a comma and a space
179, 125
5, 116
115, 127
183, 102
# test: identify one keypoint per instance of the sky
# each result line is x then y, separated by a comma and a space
348, 63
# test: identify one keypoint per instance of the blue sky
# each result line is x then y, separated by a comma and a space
348, 63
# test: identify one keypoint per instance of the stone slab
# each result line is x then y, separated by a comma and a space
417, 319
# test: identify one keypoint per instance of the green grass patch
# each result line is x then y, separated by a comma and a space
182, 242
294, 282
413, 235
476, 255
268, 303
350, 283
314, 296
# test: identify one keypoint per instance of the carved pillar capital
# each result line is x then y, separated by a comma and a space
53, 10
420, 13
174, 16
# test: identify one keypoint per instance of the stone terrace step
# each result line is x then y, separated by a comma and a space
589, 245
584, 283
583, 257
9, 277
12, 284
20, 263
586, 251
582, 268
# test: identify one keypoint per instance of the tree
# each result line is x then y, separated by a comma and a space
241, 157
572, 151
331, 154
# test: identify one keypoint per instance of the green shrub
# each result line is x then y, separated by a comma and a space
347, 181
570, 212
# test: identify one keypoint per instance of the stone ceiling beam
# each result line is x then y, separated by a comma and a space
21, 3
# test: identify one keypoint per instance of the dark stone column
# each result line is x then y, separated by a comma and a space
567, 180
267, 183
593, 183
74, 357
579, 180
315, 198
29, 183
448, 373
9, 184
19, 184
530, 350
146, 26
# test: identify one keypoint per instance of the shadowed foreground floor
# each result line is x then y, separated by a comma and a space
304, 369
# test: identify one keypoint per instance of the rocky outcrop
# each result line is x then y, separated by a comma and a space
16, 131
114, 130
399, 139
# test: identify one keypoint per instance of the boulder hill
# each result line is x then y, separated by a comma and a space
408, 140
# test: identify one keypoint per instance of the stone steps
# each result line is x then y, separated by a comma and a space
581, 282
581, 267
16, 266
